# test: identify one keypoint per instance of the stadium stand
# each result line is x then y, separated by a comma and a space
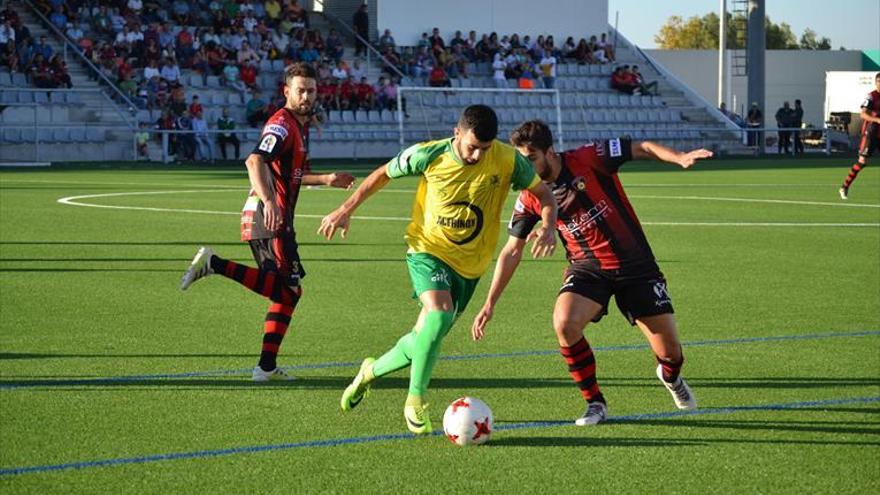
162, 55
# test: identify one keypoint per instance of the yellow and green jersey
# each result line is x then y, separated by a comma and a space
457, 209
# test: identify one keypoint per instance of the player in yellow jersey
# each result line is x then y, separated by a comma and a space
451, 238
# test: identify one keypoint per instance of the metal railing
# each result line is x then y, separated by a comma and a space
369, 47
66, 43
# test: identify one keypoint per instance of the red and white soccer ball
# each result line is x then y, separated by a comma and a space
467, 421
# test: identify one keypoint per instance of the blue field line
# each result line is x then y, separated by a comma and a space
341, 364
631, 418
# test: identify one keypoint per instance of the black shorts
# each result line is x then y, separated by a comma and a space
869, 141
279, 254
638, 294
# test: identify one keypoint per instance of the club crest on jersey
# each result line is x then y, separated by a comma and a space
276, 129
579, 183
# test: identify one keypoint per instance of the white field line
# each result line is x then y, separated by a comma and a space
73, 201
754, 200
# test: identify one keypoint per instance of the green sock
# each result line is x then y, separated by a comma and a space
397, 357
427, 349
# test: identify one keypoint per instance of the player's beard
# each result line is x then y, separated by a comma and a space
303, 109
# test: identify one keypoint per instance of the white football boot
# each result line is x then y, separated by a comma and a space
596, 413
199, 268
276, 375
681, 392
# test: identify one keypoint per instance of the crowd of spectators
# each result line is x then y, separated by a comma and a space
525, 60
20, 53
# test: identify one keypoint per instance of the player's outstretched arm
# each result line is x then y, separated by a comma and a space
261, 183
649, 150
339, 218
545, 236
508, 260
342, 180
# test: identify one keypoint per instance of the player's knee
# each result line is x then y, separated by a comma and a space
567, 329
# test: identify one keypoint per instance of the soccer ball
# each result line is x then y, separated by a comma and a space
467, 421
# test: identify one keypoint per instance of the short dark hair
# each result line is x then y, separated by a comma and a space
299, 69
877, 76
482, 120
534, 134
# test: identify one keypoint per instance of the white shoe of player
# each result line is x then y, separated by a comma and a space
844, 192
596, 413
276, 375
681, 392
199, 268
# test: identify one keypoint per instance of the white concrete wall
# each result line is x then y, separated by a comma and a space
790, 75
408, 19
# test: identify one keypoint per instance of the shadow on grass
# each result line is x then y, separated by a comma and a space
194, 244
40, 355
589, 441
836, 427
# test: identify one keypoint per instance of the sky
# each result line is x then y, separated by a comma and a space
854, 24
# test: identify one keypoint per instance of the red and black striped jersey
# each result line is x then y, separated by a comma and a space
872, 105
596, 222
284, 144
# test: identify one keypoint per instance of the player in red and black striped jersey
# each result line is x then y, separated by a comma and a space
277, 168
607, 251
870, 135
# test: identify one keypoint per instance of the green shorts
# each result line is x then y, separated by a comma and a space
428, 272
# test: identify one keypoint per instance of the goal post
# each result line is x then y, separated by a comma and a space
432, 112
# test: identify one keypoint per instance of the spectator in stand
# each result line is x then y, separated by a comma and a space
386, 40
326, 91
203, 148
309, 54
499, 71
458, 63
41, 73
129, 88
74, 32
361, 23
170, 71
335, 46
582, 53
166, 37
621, 80
186, 141
10, 57
43, 48
569, 49
548, 69
58, 19
644, 88
607, 47
248, 75
482, 53
216, 59
470, 46
597, 51
425, 42
226, 123
255, 110
456, 40
436, 40
273, 10
356, 71
178, 100
166, 123
300, 15
247, 54
392, 62
365, 95
135, 6
421, 63
59, 73
195, 107
232, 77
527, 76
345, 95
438, 77
151, 53
7, 34
181, 11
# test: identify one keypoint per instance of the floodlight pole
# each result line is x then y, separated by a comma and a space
722, 45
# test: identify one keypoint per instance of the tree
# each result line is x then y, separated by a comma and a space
810, 41
701, 33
